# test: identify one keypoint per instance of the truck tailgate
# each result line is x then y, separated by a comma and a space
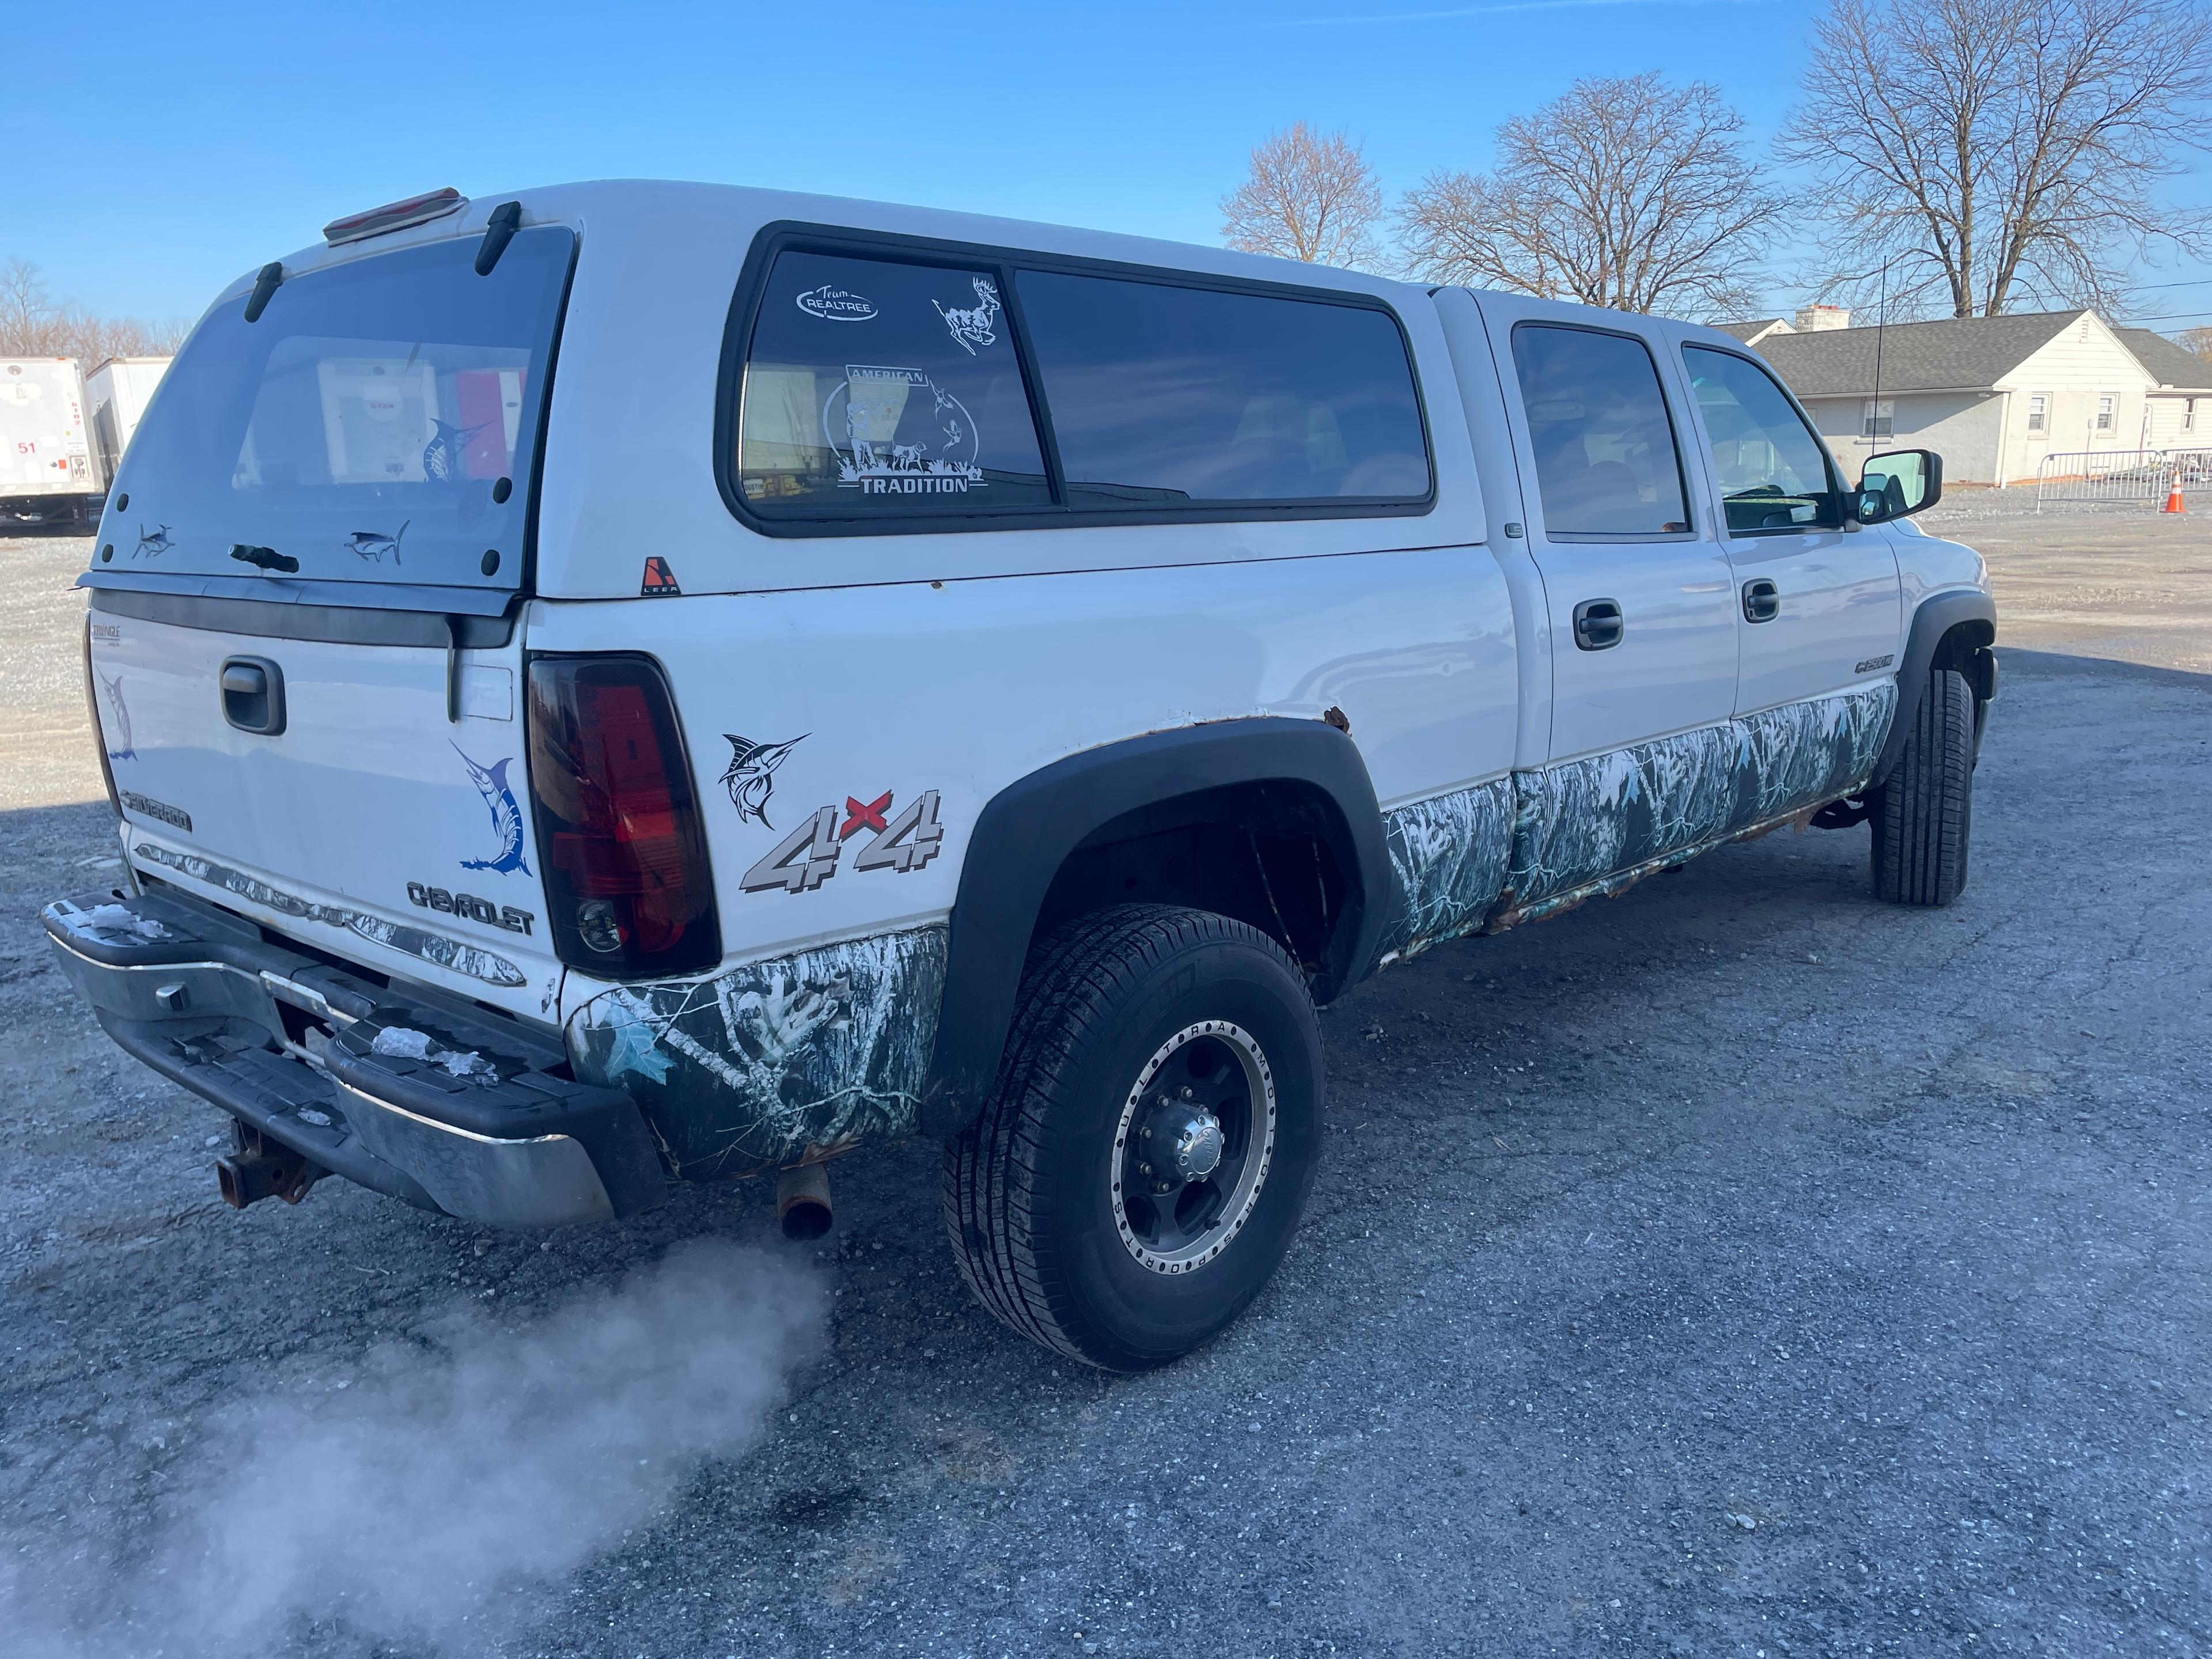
369, 823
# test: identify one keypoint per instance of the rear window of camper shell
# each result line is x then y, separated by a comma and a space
379, 422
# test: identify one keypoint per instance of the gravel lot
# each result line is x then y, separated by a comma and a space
1738, 1267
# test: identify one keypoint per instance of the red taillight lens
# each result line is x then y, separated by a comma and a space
627, 882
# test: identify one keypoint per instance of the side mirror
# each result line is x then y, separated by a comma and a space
1898, 484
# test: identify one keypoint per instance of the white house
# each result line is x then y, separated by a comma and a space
2180, 397
1993, 395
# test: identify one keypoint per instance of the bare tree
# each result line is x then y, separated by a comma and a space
1629, 193
33, 325
1311, 195
1979, 153
2198, 340
26, 310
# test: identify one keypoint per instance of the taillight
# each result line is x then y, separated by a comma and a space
627, 886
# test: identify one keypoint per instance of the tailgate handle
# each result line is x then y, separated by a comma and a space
252, 694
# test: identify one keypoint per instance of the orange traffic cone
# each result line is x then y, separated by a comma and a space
2173, 494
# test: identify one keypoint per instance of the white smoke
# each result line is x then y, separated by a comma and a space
439, 1496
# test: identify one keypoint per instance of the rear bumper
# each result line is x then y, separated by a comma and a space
401, 1089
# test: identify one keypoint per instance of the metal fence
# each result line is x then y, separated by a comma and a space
2122, 475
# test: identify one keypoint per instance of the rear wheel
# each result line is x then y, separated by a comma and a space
1138, 1172
1923, 814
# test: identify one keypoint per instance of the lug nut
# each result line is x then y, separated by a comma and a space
1185, 1091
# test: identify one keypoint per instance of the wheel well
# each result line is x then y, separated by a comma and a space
1957, 648
1263, 853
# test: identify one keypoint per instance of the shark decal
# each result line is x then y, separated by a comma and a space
373, 544
506, 817
118, 720
752, 777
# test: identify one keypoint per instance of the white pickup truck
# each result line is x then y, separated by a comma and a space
631, 682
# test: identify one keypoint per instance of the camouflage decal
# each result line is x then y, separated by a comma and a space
1449, 854
1502, 851
794, 1058
417, 942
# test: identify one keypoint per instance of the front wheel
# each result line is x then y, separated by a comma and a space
1923, 812
1137, 1176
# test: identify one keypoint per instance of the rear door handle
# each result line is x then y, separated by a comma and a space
1762, 600
1599, 625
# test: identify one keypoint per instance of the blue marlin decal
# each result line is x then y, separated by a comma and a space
374, 544
506, 816
118, 719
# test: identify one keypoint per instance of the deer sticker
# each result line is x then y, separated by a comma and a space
972, 326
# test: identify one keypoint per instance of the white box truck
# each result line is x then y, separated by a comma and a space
49, 477
116, 394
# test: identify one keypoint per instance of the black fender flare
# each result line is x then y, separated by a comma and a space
1932, 624
1027, 830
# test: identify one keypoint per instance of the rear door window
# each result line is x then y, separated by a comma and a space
876, 388
1607, 461
378, 422
1162, 395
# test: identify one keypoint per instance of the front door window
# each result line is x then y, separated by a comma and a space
1773, 473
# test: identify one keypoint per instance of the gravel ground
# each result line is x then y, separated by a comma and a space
1738, 1267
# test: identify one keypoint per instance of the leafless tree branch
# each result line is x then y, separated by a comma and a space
1628, 193
33, 325
1981, 154
1311, 195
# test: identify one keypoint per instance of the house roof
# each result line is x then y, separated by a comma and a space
2174, 368
1750, 332
1956, 354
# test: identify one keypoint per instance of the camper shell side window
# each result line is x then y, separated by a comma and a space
875, 385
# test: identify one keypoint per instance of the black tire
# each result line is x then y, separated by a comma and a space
1032, 1199
1924, 814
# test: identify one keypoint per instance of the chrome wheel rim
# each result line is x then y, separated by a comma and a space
1193, 1147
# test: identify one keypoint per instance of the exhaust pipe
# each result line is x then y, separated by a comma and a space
802, 1202
257, 1168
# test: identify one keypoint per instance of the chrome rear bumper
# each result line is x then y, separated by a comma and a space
399, 1088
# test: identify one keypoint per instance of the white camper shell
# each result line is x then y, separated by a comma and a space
629, 683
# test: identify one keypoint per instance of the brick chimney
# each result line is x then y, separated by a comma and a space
1813, 319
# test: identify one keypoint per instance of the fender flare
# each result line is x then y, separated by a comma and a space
1026, 831
1932, 623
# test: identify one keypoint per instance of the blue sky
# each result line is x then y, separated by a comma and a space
157, 152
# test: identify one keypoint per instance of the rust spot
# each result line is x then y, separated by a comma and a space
1337, 718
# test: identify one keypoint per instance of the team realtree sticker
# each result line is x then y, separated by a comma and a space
864, 421
834, 305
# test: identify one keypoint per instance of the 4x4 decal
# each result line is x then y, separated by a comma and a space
809, 855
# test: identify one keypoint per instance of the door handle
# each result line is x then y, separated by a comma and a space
1762, 600
252, 694
1599, 625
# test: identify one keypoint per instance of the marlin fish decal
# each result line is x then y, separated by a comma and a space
752, 777
373, 544
506, 816
153, 546
118, 720
442, 456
